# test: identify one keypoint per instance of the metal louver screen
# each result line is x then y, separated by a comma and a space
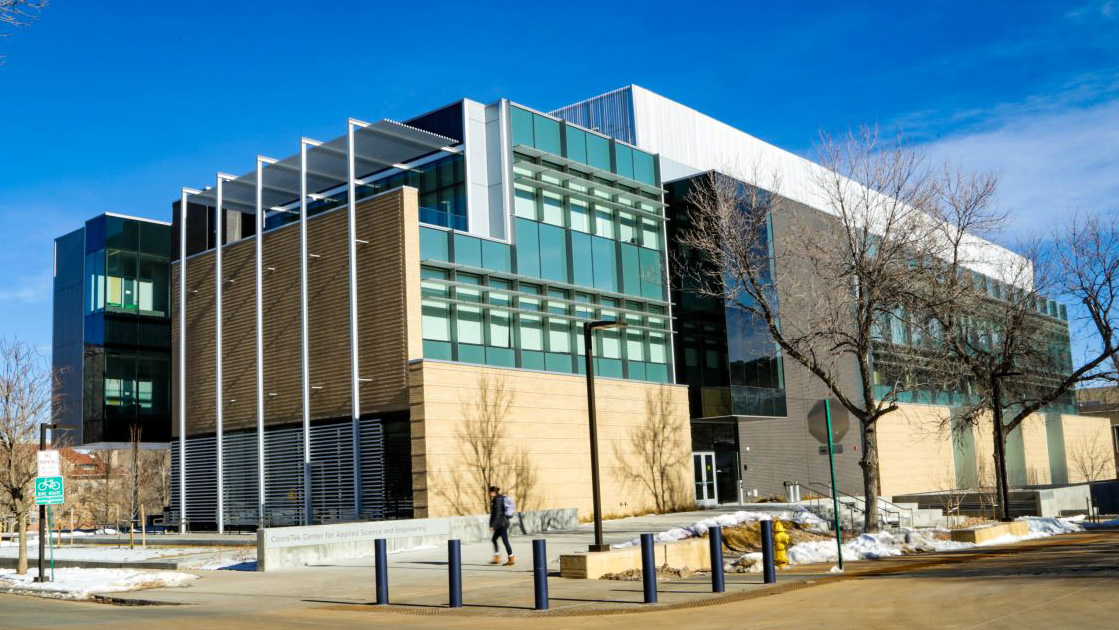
336, 486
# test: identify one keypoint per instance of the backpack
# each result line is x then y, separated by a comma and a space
508, 506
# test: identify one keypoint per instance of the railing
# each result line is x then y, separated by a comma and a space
827, 495
860, 504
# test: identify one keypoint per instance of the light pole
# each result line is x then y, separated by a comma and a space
588, 337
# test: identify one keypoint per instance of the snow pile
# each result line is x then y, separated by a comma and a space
82, 583
800, 515
886, 544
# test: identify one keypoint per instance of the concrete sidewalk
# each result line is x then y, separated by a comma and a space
418, 578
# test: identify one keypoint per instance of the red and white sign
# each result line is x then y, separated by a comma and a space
49, 464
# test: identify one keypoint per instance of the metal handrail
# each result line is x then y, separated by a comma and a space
851, 508
880, 510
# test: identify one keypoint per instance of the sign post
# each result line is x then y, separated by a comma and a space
834, 490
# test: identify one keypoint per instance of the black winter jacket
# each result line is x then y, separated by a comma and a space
498, 519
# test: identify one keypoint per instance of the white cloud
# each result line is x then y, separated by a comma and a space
1052, 162
28, 290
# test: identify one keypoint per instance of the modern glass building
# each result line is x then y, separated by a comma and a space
112, 331
351, 325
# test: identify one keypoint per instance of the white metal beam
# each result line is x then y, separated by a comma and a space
184, 194
304, 335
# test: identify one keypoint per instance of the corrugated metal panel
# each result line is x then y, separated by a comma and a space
241, 503
372, 452
610, 113
283, 476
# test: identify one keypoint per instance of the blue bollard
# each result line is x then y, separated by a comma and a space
768, 568
648, 569
718, 580
381, 560
540, 573
454, 568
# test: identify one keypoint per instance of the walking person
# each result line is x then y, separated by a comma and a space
501, 509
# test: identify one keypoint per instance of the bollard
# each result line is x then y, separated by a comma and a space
454, 572
648, 569
718, 581
768, 567
540, 573
380, 555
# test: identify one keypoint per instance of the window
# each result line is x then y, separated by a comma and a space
532, 332
603, 222
598, 152
624, 160
553, 209
576, 144
433, 244
528, 248
553, 253
605, 264
643, 168
525, 202
547, 133
522, 127
580, 216
468, 250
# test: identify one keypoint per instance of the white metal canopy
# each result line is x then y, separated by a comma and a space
377, 146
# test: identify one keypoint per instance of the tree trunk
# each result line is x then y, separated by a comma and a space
999, 433
21, 566
869, 465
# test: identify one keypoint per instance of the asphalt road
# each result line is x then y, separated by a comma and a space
1068, 581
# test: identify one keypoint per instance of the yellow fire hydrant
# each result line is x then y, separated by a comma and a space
780, 545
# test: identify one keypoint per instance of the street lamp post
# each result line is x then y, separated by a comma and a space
588, 337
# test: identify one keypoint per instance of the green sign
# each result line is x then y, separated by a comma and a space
48, 491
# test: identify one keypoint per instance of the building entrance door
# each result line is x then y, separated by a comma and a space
706, 486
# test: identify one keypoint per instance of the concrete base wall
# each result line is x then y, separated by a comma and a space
693, 553
281, 548
984, 534
527, 432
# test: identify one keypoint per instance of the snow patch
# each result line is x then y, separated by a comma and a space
802, 516
83, 583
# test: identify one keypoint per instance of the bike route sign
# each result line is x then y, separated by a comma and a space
48, 491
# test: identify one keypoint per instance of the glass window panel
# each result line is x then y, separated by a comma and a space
598, 152
643, 168
500, 328
603, 222
436, 321
635, 345
469, 320
547, 133
581, 260
624, 160
522, 127
531, 332
496, 256
605, 264
658, 348
627, 227
553, 253
559, 335
652, 276
468, 250
468, 294
576, 144
553, 209
524, 204
503, 357
580, 216
631, 269
528, 248
611, 343
650, 234
433, 244
532, 360
469, 353
433, 289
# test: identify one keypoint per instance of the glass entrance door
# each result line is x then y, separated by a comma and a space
706, 487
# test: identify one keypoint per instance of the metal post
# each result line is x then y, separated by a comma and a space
834, 488
219, 282
351, 251
718, 580
380, 557
42, 511
769, 569
540, 573
648, 569
304, 334
259, 303
182, 355
454, 572
596, 493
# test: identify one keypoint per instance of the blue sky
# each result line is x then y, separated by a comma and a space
114, 107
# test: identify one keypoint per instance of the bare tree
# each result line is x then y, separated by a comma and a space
25, 402
488, 458
18, 13
1090, 458
659, 458
843, 281
999, 327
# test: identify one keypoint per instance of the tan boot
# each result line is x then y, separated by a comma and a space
510, 562
496, 559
